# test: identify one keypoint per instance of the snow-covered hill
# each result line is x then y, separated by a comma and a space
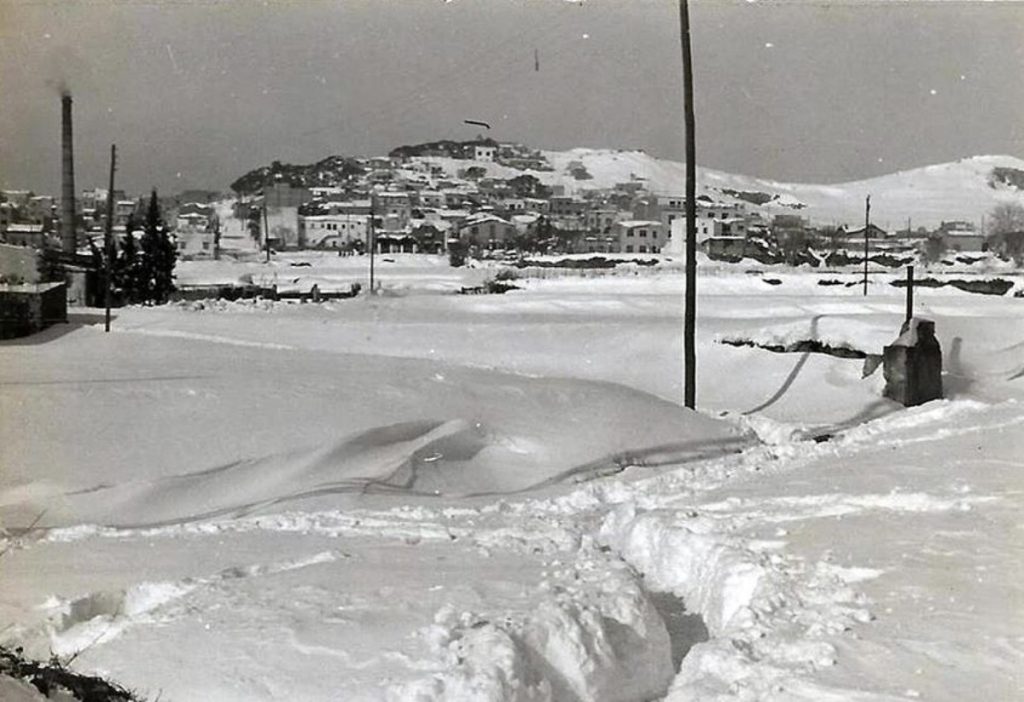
963, 190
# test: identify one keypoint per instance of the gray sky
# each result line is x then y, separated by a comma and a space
196, 93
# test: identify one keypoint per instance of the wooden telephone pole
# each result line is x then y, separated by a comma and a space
266, 225
108, 240
690, 312
372, 238
867, 220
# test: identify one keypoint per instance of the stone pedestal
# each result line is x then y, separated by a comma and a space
913, 364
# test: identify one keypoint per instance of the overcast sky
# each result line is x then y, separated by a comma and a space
196, 93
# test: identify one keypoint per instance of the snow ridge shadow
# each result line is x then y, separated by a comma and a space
685, 630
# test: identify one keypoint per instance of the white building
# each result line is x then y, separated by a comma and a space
334, 231
194, 243
483, 153
640, 236
714, 234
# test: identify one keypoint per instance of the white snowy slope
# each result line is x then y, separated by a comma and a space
959, 190
422, 496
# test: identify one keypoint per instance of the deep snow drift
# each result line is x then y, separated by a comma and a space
427, 496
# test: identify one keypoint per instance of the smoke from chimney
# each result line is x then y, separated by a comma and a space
67, 218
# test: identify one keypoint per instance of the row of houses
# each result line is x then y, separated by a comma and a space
954, 235
484, 214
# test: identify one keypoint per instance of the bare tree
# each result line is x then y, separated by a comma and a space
1006, 217
933, 249
1006, 230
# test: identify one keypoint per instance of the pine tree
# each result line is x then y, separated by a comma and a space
127, 273
158, 256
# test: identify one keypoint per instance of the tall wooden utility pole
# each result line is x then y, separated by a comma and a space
867, 220
690, 313
372, 238
910, 293
266, 225
108, 239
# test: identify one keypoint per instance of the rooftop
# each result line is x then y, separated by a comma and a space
632, 223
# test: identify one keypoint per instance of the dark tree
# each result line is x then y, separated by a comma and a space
794, 245
129, 278
933, 249
254, 223
527, 185
457, 251
158, 256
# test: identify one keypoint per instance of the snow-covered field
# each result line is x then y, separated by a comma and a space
420, 496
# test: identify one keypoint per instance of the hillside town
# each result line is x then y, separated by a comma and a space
434, 197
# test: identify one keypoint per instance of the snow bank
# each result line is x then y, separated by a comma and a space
852, 334
595, 635
767, 616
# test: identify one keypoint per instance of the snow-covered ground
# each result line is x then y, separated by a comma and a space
422, 496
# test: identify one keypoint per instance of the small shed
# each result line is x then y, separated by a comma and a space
31, 307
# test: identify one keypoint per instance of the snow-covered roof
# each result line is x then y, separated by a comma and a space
439, 224
344, 216
453, 213
631, 223
18, 228
485, 218
349, 203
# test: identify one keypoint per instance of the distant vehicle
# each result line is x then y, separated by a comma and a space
300, 264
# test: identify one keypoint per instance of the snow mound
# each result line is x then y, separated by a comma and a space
454, 457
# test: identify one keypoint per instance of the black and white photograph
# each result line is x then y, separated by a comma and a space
511, 350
